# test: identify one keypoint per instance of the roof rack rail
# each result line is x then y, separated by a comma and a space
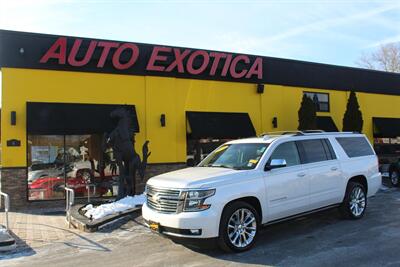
304, 132
316, 132
313, 131
280, 133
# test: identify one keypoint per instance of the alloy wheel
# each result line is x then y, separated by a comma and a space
242, 228
357, 201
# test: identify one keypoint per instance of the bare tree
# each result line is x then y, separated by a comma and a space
386, 58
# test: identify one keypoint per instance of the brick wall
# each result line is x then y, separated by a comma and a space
14, 183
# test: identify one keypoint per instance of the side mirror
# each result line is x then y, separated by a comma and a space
275, 163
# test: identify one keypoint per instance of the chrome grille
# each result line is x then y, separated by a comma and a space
162, 200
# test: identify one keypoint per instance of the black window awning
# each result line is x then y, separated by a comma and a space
326, 124
386, 127
70, 119
219, 125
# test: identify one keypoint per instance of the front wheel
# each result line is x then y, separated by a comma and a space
394, 178
355, 201
238, 227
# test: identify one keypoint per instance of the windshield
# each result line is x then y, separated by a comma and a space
235, 156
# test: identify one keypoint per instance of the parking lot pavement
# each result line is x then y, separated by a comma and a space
321, 239
33, 230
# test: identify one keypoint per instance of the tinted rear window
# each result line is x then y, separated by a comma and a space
355, 146
314, 151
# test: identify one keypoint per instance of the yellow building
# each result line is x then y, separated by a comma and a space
58, 92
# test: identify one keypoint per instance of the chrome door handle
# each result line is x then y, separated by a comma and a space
334, 168
301, 174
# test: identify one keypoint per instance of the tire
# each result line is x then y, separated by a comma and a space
233, 238
355, 201
395, 178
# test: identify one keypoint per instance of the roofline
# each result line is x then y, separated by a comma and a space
275, 71
198, 48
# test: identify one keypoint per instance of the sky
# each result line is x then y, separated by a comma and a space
334, 32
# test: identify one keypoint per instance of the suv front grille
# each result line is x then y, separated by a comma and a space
162, 200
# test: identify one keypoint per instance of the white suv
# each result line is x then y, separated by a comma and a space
247, 183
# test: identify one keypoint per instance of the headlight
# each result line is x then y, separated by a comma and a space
194, 199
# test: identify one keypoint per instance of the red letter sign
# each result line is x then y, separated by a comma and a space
75, 48
178, 60
154, 57
60, 44
206, 59
106, 49
116, 58
256, 69
226, 65
217, 56
232, 69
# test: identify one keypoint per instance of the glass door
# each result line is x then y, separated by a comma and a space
45, 167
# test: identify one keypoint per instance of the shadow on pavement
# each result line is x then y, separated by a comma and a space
92, 245
318, 239
118, 224
22, 250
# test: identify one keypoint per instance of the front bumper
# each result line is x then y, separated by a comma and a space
180, 224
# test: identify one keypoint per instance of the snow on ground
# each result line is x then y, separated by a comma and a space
114, 207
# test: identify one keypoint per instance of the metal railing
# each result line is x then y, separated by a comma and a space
6, 206
70, 198
88, 186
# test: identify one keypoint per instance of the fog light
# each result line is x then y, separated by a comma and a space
195, 231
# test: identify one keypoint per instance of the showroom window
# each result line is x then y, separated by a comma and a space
66, 147
45, 167
321, 100
56, 161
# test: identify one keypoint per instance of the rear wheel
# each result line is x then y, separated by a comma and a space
394, 178
355, 201
238, 227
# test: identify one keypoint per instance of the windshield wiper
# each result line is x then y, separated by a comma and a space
225, 166
241, 168
219, 166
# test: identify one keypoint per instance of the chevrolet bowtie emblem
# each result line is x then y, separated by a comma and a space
156, 198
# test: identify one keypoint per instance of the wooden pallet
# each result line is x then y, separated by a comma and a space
84, 224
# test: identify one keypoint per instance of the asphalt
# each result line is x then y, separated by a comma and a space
322, 239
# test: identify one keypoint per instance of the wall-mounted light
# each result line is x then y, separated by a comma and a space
162, 120
21, 50
275, 122
260, 88
13, 118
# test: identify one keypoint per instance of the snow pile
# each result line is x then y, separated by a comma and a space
114, 207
